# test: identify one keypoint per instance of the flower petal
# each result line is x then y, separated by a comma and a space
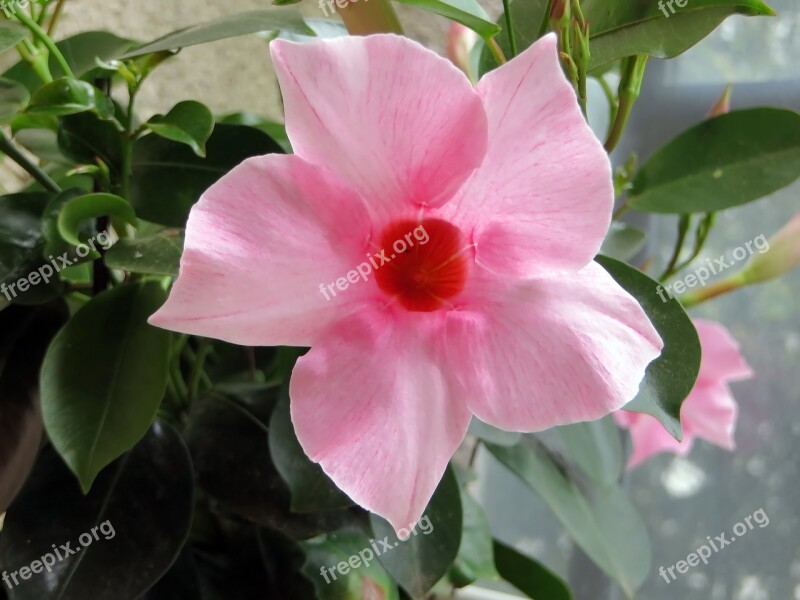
370, 404
722, 357
648, 437
400, 124
541, 200
710, 412
259, 244
552, 351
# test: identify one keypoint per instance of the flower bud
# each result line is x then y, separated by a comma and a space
782, 255
723, 105
460, 41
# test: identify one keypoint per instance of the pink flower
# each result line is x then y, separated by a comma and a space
710, 410
501, 314
460, 41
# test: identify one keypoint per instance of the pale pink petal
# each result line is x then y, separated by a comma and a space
401, 125
542, 199
649, 438
259, 244
710, 412
722, 356
551, 351
371, 404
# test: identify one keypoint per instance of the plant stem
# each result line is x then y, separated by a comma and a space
630, 87
127, 144
47, 41
203, 350
496, 51
54, 19
512, 36
683, 229
712, 291
7, 147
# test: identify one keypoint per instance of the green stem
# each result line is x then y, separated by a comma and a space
546, 20
127, 144
496, 51
512, 36
7, 147
683, 229
613, 105
623, 208
47, 41
713, 290
630, 87
203, 351
54, 19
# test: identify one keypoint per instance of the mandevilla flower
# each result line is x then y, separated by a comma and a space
710, 410
501, 313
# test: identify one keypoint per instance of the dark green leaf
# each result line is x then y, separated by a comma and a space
188, 122
529, 576
467, 12
13, 98
311, 489
423, 558
528, 18
621, 28
84, 138
168, 178
137, 515
601, 520
68, 97
84, 208
104, 377
158, 254
475, 558
723, 162
277, 131
11, 34
24, 121
230, 26
596, 448
623, 241
668, 379
343, 566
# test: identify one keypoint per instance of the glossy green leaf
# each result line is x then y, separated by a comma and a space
84, 138
13, 98
24, 121
188, 122
621, 28
528, 16
81, 52
228, 27
723, 162
601, 520
312, 490
104, 377
467, 12
623, 241
668, 379
158, 254
11, 34
475, 558
343, 566
168, 178
70, 96
125, 533
596, 448
277, 131
423, 558
90, 206
529, 576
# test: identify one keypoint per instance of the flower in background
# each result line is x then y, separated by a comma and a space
709, 412
501, 314
460, 41
782, 257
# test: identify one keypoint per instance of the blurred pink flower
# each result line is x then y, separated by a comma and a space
501, 314
709, 412
460, 41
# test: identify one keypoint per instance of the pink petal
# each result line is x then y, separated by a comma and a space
258, 245
542, 199
649, 438
710, 412
722, 358
551, 351
372, 406
400, 124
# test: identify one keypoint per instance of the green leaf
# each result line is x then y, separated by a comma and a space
137, 516
493, 435
311, 489
230, 26
277, 131
423, 558
70, 96
168, 178
528, 18
623, 241
81, 52
723, 162
90, 206
467, 12
84, 138
475, 558
529, 576
158, 254
11, 34
602, 521
188, 122
668, 379
596, 448
104, 377
24, 121
13, 98
351, 571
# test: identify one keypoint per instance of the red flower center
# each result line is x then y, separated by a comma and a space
426, 263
